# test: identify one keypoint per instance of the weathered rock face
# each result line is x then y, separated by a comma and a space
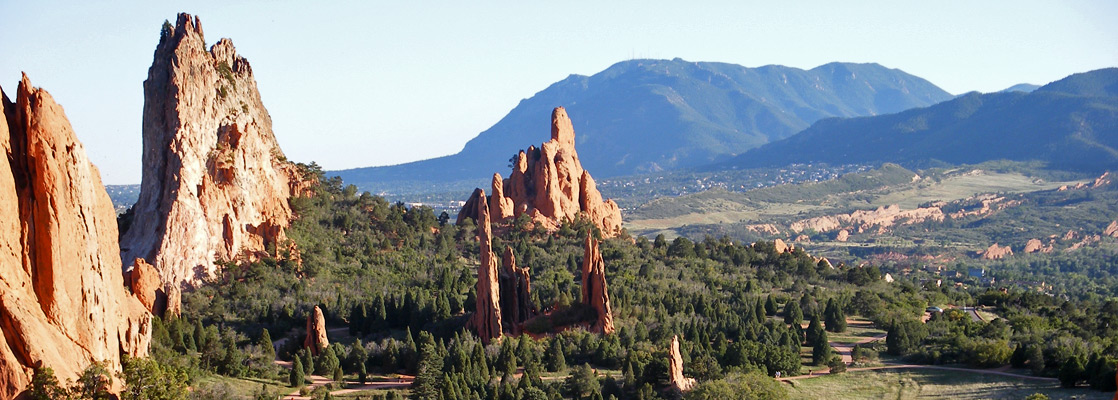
145, 285
995, 252
62, 297
215, 183
486, 320
594, 291
516, 294
675, 369
882, 218
316, 339
550, 186
842, 236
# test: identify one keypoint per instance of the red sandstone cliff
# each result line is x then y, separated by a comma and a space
215, 183
63, 303
550, 186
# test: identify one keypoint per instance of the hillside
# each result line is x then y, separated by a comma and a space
651, 115
1069, 124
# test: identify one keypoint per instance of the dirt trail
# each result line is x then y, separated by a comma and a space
996, 371
403, 382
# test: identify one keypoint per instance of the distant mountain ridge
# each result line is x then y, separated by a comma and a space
1069, 124
649, 115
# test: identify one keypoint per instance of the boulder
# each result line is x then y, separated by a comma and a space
146, 286
1033, 246
63, 300
316, 340
549, 185
594, 291
676, 380
842, 236
215, 184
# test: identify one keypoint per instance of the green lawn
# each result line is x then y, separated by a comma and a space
930, 384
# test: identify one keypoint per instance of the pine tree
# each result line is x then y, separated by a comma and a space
296, 376
770, 306
815, 331
792, 313
821, 352
267, 347
555, 360
308, 361
429, 370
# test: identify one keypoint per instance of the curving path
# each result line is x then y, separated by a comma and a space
936, 367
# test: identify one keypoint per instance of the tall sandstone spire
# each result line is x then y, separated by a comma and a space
63, 303
594, 291
215, 183
550, 186
486, 320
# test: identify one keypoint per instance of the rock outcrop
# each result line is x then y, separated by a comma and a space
594, 291
675, 369
516, 294
1111, 230
316, 340
842, 236
1033, 246
995, 252
63, 303
215, 184
881, 218
145, 285
486, 320
550, 186
780, 247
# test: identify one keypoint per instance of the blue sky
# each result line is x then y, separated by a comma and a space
351, 84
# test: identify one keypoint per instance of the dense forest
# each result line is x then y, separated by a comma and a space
396, 285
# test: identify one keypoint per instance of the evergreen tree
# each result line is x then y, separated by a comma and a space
339, 377
308, 361
296, 377
821, 351
267, 347
555, 360
1071, 372
426, 384
834, 317
792, 313
770, 306
814, 331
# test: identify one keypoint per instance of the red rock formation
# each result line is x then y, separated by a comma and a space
516, 294
215, 183
780, 247
842, 236
675, 369
550, 185
1033, 246
594, 291
63, 303
486, 320
1111, 230
145, 285
995, 252
316, 339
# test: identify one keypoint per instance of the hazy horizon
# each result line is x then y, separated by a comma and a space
356, 85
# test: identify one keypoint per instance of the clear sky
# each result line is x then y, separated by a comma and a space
352, 84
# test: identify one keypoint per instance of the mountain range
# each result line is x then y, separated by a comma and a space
651, 115
1069, 124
